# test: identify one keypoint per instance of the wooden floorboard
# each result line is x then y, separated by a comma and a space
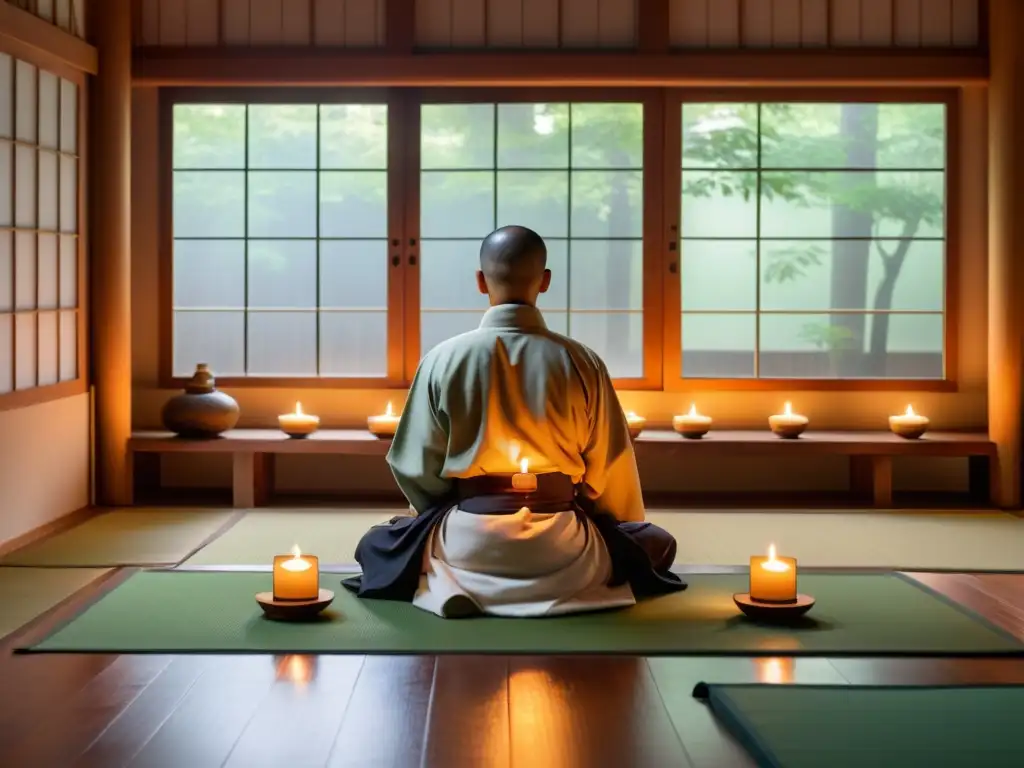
113, 711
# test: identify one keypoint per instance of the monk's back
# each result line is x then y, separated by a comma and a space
507, 391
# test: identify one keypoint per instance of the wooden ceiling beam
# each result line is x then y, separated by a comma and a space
32, 39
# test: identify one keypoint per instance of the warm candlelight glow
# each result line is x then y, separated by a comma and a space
524, 465
774, 671
910, 411
773, 578
788, 410
296, 577
693, 410
385, 424
388, 411
524, 480
692, 424
298, 408
909, 425
298, 424
787, 423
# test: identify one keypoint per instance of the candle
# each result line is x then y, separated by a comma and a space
636, 424
523, 480
296, 576
787, 424
773, 579
691, 425
383, 426
298, 424
909, 425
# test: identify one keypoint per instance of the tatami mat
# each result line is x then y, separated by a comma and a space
911, 541
142, 536
26, 593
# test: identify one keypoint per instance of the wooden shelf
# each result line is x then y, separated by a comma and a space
870, 453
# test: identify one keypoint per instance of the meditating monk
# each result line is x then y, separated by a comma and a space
479, 404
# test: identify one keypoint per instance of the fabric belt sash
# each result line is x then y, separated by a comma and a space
391, 555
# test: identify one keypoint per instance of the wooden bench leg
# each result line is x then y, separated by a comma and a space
252, 479
983, 479
871, 476
143, 475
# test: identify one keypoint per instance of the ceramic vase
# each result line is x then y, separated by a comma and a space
200, 411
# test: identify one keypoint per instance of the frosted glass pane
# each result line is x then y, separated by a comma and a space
6, 271
607, 136
68, 272
718, 346
68, 346
719, 204
282, 204
282, 273
456, 136
68, 117
6, 358
25, 187
48, 201
215, 338
47, 245
354, 274
719, 135
24, 351
617, 337
353, 204
25, 102
533, 135
209, 136
282, 343
24, 270
719, 275
49, 121
209, 204
535, 199
282, 136
68, 194
353, 343
456, 204
607, 204
6, 93
209, 273
48, 354
354, 136
6, 185
557, 322
606, 274
803, 275
557, 296
448, 275
435, 327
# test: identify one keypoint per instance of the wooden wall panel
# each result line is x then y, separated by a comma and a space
815, 23
69, 15
344, 23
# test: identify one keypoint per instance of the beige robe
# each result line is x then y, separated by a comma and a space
512, 389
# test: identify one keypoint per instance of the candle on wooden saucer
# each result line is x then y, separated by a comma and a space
909, 424
691, 425
772, 593
788, 424
384, 425
296, 591
298, 424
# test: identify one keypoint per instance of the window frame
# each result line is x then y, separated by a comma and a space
949, 97
653, 145
396, 171
662, 245
37, 395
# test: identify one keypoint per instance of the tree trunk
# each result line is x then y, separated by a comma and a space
858, 128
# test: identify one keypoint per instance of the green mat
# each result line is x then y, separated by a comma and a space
144, 537
203, 611
844, 726
26, 593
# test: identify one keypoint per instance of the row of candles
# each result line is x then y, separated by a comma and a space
692, 425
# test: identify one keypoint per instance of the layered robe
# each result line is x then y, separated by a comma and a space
480, 402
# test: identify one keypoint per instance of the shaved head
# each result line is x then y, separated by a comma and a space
513, 263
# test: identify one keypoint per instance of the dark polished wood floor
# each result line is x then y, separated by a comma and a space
107, 711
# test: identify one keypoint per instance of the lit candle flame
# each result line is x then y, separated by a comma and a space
524, 466
296, 563
788, 409
693, 410
388, 411
631, 416
771, 564
298, 409
910, 411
